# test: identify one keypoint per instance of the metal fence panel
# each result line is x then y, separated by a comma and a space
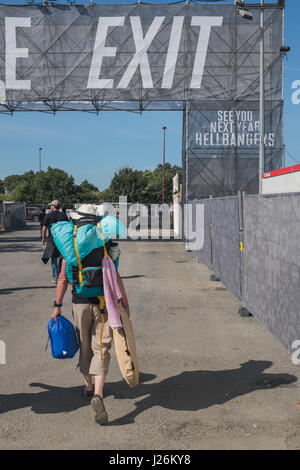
204, 255
14, 215
225, 242
272, 264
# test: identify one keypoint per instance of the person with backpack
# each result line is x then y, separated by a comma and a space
90, 315
51, 250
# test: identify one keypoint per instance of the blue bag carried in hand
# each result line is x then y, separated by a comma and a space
63, 338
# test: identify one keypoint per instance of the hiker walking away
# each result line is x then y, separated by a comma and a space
42, 216
91, 321
51, 250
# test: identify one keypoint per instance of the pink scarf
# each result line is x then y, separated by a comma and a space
112, 292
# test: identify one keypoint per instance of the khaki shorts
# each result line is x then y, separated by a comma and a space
88, 323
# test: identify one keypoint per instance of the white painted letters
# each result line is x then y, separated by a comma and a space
101, 51
205, 23
12, 53
140, 60
172, 52
140, 57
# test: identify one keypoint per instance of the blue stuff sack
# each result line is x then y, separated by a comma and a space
63, 338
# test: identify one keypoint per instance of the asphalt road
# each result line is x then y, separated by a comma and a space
209, 378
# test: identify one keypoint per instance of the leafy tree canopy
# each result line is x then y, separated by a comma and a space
44, 186
143, 186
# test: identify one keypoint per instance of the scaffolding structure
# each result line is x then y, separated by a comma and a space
202, 60
217, 166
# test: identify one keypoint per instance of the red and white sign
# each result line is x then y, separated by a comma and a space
285, 180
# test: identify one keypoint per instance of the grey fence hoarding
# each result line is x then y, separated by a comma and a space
13, 215
225, 242
265, 274
272, 263
205, 254
221, 248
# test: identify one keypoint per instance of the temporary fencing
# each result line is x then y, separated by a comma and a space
12, 215
252, 244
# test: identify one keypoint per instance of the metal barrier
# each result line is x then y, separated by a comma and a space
221, 249
12, 215
252, 244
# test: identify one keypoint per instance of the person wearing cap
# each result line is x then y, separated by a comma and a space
93, 359
51, 250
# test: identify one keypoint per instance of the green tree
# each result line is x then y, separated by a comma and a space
54, 184
127, 182
142, 186
152, 187
24, 192
86, 187
170, 172
106, 196
11, 182
44, 186
87, 192
2, 190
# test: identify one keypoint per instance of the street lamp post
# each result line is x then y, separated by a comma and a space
163, 179
40, 158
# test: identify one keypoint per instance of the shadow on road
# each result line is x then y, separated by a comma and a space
26, 228
196, 390
190, 391
11, 290
51, 400
20, 239
134, 276
17, 243
13, 248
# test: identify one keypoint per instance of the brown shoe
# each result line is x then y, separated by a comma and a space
87, 394
99, 410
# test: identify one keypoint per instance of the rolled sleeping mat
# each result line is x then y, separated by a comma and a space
124, 345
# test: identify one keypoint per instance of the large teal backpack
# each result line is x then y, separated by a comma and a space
76, 242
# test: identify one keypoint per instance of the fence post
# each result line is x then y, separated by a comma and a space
243, 311
213, 276
241, 240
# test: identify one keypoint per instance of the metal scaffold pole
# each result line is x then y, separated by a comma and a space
186, 144
262, 98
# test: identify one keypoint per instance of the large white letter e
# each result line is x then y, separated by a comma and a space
12, 53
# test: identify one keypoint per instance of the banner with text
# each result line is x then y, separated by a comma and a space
92, 55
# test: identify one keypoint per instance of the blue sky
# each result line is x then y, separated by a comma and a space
93, 147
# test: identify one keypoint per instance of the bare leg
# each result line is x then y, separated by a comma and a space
88, 382
99, 384
97, 401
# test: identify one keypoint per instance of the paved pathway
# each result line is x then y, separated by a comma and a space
210, 379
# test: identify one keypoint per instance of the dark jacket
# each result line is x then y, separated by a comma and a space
51, 250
